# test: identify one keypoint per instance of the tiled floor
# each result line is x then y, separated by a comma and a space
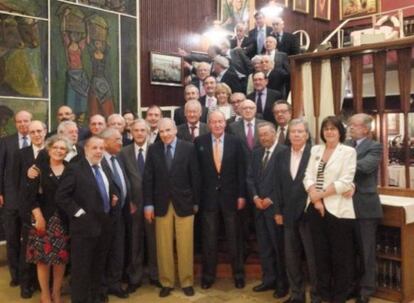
222, 291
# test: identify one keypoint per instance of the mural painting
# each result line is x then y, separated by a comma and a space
121, 6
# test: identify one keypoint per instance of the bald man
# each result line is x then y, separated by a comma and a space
287, 42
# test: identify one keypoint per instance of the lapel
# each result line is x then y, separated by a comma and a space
335, 154
130, 157
241, 130
90, 175
209, 148
161, 155
303, 162
363, 146
176, 157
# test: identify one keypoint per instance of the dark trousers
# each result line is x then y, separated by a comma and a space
298, 242
366, 231
334, 254
141, 237
116, 253
210, 230
88, 257
271, 249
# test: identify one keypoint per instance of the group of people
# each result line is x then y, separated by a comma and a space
119, 200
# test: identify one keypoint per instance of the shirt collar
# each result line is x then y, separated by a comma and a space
272, 148
221, 138
173, 143
359, 141
137, 147
300, 152
253, 121
197, 125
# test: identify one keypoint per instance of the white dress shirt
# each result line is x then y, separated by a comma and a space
295, 157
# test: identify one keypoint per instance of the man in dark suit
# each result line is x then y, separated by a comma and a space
87, 195
278, 76
203, 70
118, 122
65, 113
140, 233
235, 100
261, 184
259, 33
225, 74
115, 259
96, 124
209, 100
8, 194
263, 96
24, 159
286, 42
290, 212
190, 93
153, 115
171, 197
193, 128
69, 130
242, 41
223, 172
282, 112
367, 204
280, 59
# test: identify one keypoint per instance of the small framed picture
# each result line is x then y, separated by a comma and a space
352, 8
322, 10
166, 69
301, 6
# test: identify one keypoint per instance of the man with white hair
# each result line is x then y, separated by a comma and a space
279, 58
191, 92
286, 42
193, 128
240, 39
69, 130
203, 70
278, 77
118, 122
226, 75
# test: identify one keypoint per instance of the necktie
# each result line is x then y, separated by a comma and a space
260, 41
354, 143
217, 154
278, 37
25, 142
259, 102
281, 139
250, 137
102, 189
168, 157
192, 129
117, 179
141, 162
266, 159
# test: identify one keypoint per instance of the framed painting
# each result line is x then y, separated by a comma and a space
301, 6
283, 3
166, 69
353, 8
231, 12
322, 10
393, 121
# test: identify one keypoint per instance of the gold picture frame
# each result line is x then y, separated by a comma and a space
351, 8
166, 69
301, 6
322, 10
231, 12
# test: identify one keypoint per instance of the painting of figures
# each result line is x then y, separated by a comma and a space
9, 107
23, 56
35, 8
120, 6
84, 60
129, 63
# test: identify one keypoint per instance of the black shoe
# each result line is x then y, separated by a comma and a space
14, 283
362, 299
206, 284
133, 287
165, 292
280, 293
155, 283
118, 292
239, 283
26, 293
188, 291
262, 287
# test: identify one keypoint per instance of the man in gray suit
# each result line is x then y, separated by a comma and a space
140, 233
193, 128
367, 204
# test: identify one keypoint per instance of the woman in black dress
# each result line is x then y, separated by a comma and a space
48, 240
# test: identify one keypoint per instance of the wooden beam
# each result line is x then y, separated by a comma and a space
357, 83
296, 88
336, 75
316, 66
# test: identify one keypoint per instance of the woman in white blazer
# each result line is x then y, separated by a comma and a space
328, 181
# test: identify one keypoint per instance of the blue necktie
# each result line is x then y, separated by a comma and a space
25, 142
117, 179
141, 162
168, 157
102, 189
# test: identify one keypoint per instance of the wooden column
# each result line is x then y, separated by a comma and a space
379, 83
316, 67
296, 87
356, 77
336, 75
404, 78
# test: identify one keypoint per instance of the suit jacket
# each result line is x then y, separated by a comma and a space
272, 96
129, 159
78, 189
279, 79
366, 200
292, 195
240, 62
8, 149
246, 45
184, 133
289, 44
180, 185
237, 129
80, 155
221, 189
231, 78
180, 118
253, 39
339, 171
281, 61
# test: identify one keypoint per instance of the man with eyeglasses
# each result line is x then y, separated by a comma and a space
286, 42
282, 111
235, 100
